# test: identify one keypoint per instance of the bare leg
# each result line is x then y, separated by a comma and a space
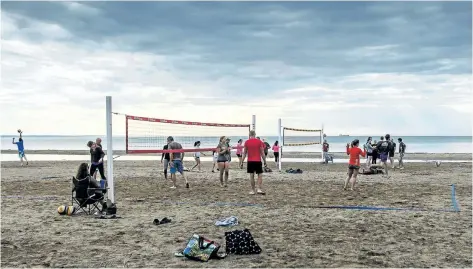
252, 182
227, 172
350, 173
213, 167
385, 164
185, 178
353, 182
173, 178
260, 183
24, 156
391, 160
221, 167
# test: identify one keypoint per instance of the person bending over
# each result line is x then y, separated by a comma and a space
222, 160
254, 149
354, 163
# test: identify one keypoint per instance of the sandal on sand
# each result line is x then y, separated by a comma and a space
164, 221
261, 192
156, 221
252, 193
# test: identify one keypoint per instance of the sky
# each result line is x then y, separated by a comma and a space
358, 68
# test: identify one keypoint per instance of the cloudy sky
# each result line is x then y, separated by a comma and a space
357, 67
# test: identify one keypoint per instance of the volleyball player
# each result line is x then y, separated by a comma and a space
222, 160
354, 163
254, 149
166, 157
369, 152
176, 162
384, 146
197, 156
21, 148
239, 152
275, 149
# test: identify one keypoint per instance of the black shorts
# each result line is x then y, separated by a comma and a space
369, 154
353, 167
254, 167
391, 154
238, 155
276, 154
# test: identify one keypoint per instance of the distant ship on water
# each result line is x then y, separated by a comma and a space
343, 135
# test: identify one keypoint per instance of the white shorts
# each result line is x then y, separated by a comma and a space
215, 158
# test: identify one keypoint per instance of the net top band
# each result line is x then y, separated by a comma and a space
301, 130
129, 117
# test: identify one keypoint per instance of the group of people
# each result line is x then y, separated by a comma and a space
384, 149
255, 149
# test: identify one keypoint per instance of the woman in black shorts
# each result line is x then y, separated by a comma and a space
222, 160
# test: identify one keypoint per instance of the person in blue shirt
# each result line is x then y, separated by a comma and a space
21, 149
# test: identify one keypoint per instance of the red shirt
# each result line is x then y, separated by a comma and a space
355, 155
253, 148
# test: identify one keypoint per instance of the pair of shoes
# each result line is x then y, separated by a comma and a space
163, 221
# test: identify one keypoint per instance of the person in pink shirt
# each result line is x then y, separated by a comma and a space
275, 149
239, 152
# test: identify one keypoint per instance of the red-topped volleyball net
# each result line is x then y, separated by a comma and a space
149, 135
298, 139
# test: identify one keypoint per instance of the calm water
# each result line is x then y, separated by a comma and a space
415, 144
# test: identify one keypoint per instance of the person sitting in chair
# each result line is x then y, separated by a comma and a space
88, 188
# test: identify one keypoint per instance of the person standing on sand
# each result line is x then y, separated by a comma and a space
96, 159
21, 148
166, 158
392, 149
354, 163
402, 151
254, 149
197, 156
239, 152
176, 164
369, 151
223, 150
375, 152
325, 149
275, 149
384, 146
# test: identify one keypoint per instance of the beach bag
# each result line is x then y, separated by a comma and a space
201, 249
241, 242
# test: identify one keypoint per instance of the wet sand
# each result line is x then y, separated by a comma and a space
287, 225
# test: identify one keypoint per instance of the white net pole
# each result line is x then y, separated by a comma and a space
322, 142
111, 191
280, 144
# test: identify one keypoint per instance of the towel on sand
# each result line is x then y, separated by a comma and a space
230, 221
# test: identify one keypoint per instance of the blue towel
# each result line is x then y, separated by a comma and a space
230, 221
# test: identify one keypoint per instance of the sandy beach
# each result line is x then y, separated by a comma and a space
287, 223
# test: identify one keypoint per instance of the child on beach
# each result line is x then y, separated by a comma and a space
354, 163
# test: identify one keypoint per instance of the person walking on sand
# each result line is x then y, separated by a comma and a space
197, 156
222, 160
384, 146
165, 158
354, 163
254, 149
175, 163
325, 148
239, 152
21, 148
402, 151
275, 150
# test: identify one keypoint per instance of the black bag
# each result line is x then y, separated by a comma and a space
241, 243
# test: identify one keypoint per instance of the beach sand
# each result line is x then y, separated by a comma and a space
288, 226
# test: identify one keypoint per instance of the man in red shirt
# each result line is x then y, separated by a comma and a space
254, 149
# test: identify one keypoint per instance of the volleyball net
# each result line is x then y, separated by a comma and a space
149, 135
299, 140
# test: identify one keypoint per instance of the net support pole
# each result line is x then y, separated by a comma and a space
111, 190
253, 122
280, 144
322, 142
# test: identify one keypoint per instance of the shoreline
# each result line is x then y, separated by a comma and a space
308, 155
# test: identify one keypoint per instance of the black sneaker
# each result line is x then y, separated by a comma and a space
187, 185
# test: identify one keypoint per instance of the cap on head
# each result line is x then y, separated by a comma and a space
252, 133
170, 139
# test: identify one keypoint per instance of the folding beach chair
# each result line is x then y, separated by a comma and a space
80, 195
